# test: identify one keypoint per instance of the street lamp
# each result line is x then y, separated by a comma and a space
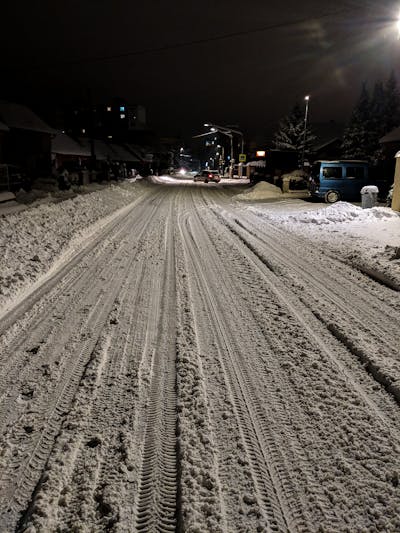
398, 27
225, 129
229, 132
307, 99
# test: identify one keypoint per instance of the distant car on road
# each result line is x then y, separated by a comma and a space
208, 175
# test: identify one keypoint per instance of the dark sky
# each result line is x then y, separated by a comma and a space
263, 63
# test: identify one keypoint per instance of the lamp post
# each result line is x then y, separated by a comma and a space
229, 132
307, 99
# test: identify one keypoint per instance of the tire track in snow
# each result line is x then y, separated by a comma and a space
93, 462
346, 322
370, 396
22, 469
157, 485
274, 491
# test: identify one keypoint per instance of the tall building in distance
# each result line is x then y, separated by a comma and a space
115, 120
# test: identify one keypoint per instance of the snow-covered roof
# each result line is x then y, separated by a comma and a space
122, 154
316, 148
340, 161
136, 150
18, 116
326, 133
101, 149
392, 136
4, 127
65, 145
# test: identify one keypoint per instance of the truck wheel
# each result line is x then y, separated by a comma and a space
331, 197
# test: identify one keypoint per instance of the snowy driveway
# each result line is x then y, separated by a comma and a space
195, 367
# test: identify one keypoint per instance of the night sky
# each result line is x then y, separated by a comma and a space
223, 61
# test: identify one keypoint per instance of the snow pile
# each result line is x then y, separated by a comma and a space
31, 241
261, 191
296, 173
332, 214
343, 212
366, 238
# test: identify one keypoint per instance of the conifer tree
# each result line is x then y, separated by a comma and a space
290, 135
391, 107
357, 136
377, 126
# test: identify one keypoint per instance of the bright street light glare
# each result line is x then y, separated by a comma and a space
307, 98
206, 125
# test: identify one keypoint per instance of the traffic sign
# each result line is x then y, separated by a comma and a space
242, 158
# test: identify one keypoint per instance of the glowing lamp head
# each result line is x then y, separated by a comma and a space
306, 98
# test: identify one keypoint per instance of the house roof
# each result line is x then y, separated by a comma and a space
326, 133
334, 140
65, 145
392, 136
136, 150
17, 116
101, 149
122, 154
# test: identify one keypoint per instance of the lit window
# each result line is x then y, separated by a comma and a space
122, 108
108, 108
109, 137
122, 115
83, 130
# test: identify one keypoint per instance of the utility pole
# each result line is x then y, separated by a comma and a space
91, 130
307, 99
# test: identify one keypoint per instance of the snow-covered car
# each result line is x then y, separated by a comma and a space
208, 175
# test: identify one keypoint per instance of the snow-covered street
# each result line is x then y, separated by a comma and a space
175, 359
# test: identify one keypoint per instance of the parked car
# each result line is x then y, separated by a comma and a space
338, 180
12, 178
208, 175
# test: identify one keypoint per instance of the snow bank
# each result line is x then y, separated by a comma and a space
31, 241
261, 191
366, 238
343, 212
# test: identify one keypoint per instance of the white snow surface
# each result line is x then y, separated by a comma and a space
368, 238
33, 241
225, 351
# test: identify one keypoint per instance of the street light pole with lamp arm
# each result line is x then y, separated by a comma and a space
307, 99
226, 129
229, 132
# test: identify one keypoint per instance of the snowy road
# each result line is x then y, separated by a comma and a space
195, 368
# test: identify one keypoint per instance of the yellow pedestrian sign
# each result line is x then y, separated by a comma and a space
242, 158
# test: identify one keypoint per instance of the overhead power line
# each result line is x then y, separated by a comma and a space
184, 44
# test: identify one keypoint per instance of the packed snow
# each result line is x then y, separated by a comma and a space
180, 356
367, 238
